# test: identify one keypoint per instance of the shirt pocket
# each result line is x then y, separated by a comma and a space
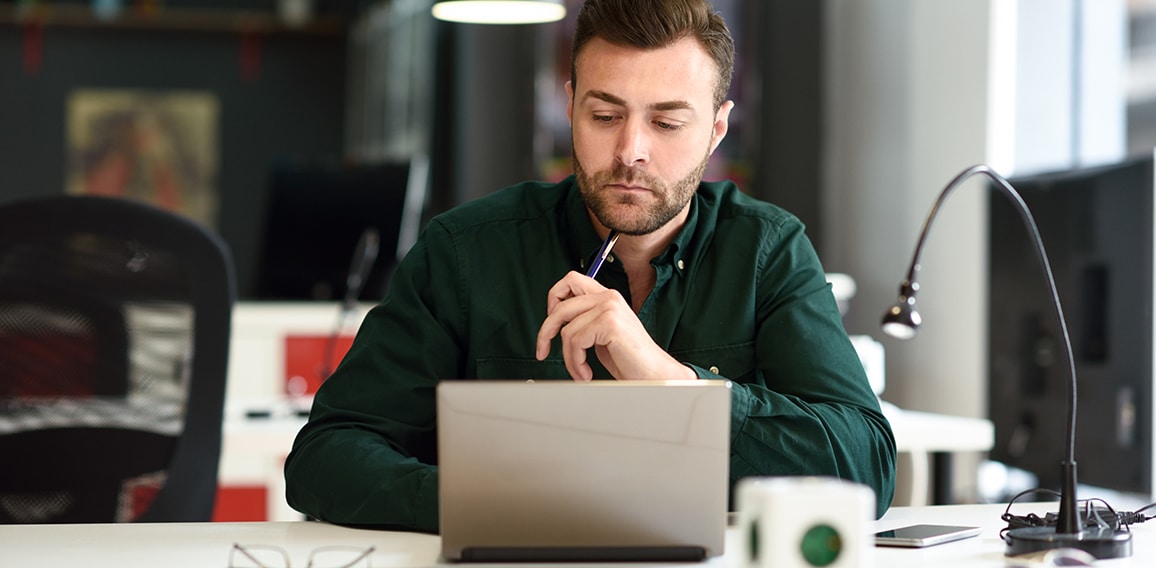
505, 368
735, 362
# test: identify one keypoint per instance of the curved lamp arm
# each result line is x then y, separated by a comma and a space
902, 321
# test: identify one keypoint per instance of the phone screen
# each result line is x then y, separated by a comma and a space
924, 535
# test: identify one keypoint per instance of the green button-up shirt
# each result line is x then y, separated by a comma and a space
740, 295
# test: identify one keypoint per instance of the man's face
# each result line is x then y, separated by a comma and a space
643, 125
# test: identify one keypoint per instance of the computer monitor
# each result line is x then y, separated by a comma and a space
1097, 227
315, 216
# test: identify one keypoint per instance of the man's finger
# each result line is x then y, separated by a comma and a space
571, 285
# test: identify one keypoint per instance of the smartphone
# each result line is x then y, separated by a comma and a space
918, 536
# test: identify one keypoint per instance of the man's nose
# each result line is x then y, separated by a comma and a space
633, 146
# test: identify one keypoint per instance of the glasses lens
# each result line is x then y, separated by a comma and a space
257, 556
340, 557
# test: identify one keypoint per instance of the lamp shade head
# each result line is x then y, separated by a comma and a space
901, 321
500, 11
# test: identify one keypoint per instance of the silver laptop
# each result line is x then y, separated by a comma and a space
556, 470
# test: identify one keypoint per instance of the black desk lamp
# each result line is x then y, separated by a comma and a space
902, 321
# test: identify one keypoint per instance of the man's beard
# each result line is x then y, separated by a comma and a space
624, 213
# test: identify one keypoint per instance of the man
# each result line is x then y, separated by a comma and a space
704, 282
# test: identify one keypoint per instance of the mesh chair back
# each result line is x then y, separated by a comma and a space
114, 334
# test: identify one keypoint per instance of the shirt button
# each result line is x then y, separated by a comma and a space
681, 264
713, 369
609, 258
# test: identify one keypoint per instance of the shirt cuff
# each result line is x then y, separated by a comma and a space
740, 399
703, 373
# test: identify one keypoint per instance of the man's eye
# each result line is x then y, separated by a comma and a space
604, 118
667, 125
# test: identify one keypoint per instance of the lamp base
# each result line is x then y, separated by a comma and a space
1099, 542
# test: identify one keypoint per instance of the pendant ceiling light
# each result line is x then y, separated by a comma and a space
500, 11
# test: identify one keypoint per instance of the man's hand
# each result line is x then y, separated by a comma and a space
586, 314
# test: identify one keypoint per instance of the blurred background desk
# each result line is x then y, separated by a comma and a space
277, 349
279, 353
254, 450
929, 440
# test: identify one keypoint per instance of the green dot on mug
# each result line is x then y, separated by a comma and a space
821, 545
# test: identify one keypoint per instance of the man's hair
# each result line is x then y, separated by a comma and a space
653, 24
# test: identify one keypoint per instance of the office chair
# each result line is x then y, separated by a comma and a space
114, 339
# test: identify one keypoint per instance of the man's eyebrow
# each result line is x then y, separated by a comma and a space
614, 100
604, 96
671, 105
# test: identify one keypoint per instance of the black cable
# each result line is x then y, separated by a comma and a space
1102, 515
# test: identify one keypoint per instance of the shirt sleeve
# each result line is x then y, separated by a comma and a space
364, 457
809, 410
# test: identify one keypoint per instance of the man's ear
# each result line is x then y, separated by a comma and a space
569, 103
721, 124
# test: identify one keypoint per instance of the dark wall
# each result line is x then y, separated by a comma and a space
293, 107
785, 43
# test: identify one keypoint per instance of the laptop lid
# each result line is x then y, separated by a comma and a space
564, 471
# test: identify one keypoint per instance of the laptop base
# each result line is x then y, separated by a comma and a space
585, 554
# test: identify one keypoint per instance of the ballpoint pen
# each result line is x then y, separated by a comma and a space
602, 254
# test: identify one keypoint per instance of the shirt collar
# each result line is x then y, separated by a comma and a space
586, 241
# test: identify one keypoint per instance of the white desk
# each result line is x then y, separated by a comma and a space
986, 549
176, 545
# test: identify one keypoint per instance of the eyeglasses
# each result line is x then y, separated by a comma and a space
266, 556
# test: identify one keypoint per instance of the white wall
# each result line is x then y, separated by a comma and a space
908, 104
917, 92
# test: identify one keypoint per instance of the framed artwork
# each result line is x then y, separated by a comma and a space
159, 147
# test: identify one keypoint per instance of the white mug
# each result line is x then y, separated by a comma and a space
805, 522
